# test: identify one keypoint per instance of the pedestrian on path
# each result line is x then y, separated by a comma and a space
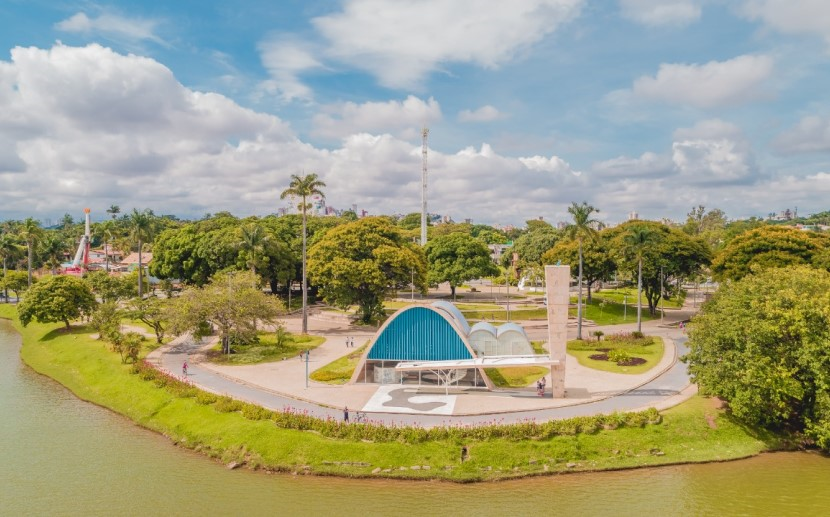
184, 368
346, 414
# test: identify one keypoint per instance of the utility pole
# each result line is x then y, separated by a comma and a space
425, 135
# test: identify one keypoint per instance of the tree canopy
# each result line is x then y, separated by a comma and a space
769, 247
456, 258
763, 344
57, 298
597, 260
532, 245
360, 262
229, 302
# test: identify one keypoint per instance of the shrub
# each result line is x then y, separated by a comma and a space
618, 356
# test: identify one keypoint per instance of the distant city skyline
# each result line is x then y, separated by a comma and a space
647, 106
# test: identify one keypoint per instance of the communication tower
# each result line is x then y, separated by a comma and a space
425, 134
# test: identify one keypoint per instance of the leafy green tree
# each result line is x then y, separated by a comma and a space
598, 262
110, 288
113, 211
304, 187
456, 258
636, 241
768, 247
106, 320
105, 231
152, 311
229, 303
762, 343
9, 250
142, 230
57, 298
17, 282
530, 246
411, 221
583, 228
53, 249
360, 262
32, 234
252, 242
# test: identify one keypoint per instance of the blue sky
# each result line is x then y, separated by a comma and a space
188, 107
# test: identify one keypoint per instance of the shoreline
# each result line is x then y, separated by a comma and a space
235, 441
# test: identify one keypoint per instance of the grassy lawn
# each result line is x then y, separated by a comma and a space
266, 350
517, 377
501, 314
610, 313
650, 349
696, 431
618, 295
340, 370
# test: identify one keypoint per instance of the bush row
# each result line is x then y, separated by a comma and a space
291, 418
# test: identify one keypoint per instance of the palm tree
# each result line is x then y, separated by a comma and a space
304, 187
141, 226
253, 242
31, 233
636, 242
53, 247
583, 227
9, 249
105, 230
114, 210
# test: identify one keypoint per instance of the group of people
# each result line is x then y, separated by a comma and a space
540, 386
350, 342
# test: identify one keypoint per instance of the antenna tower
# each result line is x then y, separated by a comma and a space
425, 134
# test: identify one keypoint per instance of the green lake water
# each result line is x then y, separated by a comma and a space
62, 456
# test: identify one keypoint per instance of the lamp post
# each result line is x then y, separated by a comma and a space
507, 278
306, 368
662, 302
412, 283
625, 307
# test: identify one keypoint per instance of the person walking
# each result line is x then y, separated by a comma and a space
184, 368
346, 414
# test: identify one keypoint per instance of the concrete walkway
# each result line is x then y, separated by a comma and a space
281, 385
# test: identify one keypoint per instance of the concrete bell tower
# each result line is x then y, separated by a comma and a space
557, 287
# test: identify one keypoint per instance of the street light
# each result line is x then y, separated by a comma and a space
306, 368
413, 285
507, 278
625, 307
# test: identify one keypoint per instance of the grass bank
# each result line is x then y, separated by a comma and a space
267, 348
648, 350
693, 432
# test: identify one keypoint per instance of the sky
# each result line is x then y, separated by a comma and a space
200, 106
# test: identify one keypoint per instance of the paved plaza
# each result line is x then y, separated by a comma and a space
282, 384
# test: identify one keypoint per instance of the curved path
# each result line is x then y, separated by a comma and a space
670, 386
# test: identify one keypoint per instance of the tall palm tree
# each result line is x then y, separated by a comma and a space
105, 230
53, 249
253, 242
114, 210
304, 187
142, 226
9, 249
583, 227
32, 234
636, 243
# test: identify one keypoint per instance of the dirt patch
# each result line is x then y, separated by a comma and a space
634, 361
710, 420
598, 357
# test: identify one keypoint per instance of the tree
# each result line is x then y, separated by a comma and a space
762, 343
110, 288
636, 241
57, 298
359, 262
411, 221
16, 281
113, 211
597, 260
768, 247
456, 258
105, 230
228, 303
530, 246
304, 187
252, 243
53, 249
582, 228
9, 250
151, 311
142, 228
32, 234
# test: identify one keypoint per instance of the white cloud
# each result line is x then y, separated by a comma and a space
485, 113
402, 42
112, 25
647, 165
811, 134
402, 118
285, 59
714, 84
661, 12
791, 16
712, 152
91, 127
